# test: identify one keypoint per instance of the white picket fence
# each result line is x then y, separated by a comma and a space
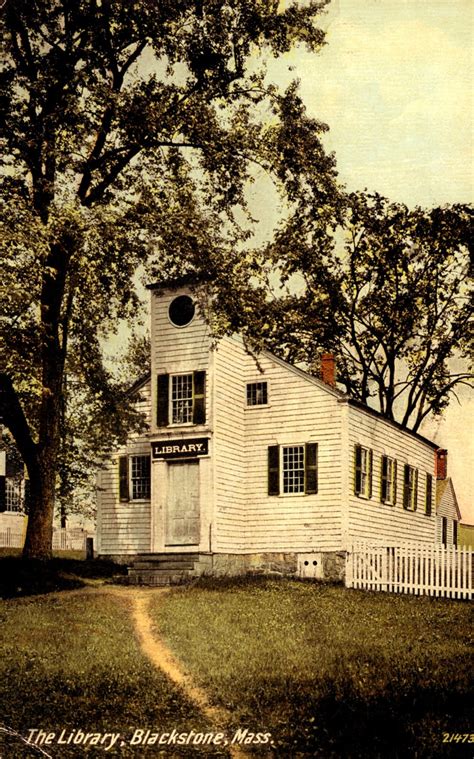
66, 539
417, 568
11, 538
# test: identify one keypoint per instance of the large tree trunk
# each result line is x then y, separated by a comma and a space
39, 532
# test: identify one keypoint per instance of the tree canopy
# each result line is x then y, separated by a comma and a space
129, 134
391, 296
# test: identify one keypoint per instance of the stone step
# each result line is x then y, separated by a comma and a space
163, 564
157, 578
152, 557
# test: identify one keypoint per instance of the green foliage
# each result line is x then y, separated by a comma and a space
330, 672
79, 663
395, 305
129, 135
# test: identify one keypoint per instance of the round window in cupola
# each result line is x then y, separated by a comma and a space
181, 311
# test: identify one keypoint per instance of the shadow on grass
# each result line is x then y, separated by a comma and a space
26, 577
390, 725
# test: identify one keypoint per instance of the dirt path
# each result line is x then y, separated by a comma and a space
162, 658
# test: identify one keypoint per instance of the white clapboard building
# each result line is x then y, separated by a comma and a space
254, 466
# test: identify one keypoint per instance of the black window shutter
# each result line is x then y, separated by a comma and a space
455, 533
162, 405
394, 481
311, 468
273, 470
415, 488
384, 481
3, 495
429, 494
406, 486
199, 397
123, 478
371, 461
357, 469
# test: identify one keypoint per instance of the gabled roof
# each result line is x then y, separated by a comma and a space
442, 486
141, 382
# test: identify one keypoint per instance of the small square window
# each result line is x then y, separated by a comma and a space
257, 394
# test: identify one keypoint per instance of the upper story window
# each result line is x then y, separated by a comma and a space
181, 311
363, 458
181, 399
134, 478
257, 394
410, 487
388, 485
429, 495
293, 469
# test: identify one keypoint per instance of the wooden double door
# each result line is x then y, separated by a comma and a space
183, 522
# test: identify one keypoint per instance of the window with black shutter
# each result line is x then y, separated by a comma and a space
363, 465
388, 480
293, 469
455, 533
181, 398
410, 487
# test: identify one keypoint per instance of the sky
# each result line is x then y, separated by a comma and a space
395, 85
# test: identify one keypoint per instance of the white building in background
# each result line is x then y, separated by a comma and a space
255, 466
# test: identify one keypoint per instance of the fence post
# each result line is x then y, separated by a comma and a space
89, 548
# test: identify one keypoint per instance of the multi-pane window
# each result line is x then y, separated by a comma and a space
389, 480
429, 495
140, 477
363, 471
257, 394
293, 469
181, 398
410, 487
13, 495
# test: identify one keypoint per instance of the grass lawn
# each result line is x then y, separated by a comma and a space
71, 662
67, 570
330, 672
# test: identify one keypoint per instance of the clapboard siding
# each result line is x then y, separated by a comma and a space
370, 519
311, 413
229, 442
446, 507
124, 528
177, 350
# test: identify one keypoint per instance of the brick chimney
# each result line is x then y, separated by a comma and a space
441, 464
328, 369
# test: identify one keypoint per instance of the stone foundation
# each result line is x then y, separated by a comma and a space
326, 566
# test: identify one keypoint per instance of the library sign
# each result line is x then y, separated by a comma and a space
180, 449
